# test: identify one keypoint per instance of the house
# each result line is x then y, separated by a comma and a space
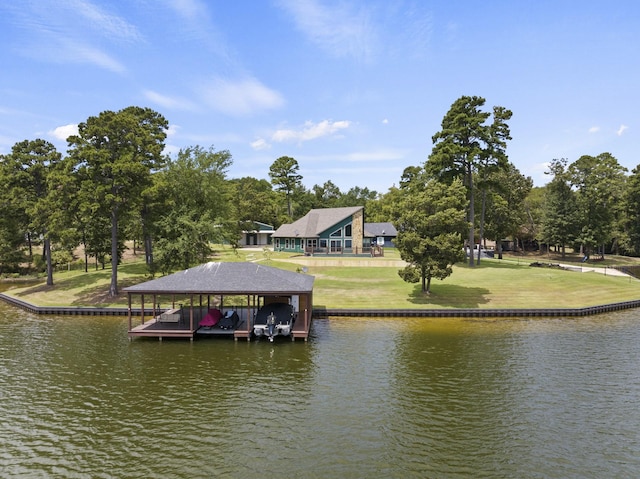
384, 233
258, 235
326, 230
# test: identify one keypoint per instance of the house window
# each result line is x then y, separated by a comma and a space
347, 244
337, 233
347, 231
323, 243
277, 243
312, 244
286, 243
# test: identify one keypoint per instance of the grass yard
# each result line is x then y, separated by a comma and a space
494, 284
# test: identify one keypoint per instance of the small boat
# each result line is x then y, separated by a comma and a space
217, 323
274, 319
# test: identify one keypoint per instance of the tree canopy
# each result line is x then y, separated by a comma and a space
429, 224
284, 176
468, 146
116, 153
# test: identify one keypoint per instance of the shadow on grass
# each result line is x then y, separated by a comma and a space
88, 291
79, 281
450, 296
99, 295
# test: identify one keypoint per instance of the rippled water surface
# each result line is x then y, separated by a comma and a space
364, 398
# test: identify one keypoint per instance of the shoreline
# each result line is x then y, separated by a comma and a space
322, 312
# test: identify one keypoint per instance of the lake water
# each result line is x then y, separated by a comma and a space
364, 398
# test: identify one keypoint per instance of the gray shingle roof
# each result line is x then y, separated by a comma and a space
315, 222
228, 278
380, 229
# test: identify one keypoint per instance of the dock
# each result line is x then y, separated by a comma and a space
186, 328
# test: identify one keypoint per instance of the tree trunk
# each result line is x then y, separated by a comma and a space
47, 253
428, 289
482, 212
113, 289
472, 235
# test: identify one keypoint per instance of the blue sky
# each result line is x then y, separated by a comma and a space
353, 90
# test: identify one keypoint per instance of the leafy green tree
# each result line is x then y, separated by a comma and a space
11, 233
326, 196
531, 227
505, 204
560, 224
28, 168
255, 200
198, 211
466, 146
357, 196
116, 152
284, 176
632, 212
600, 183
430, 224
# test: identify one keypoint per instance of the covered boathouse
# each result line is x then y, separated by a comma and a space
174, 305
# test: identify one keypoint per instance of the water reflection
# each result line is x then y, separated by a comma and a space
363, 398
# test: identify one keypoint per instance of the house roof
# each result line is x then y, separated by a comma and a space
380, 229
228, 278
315, 222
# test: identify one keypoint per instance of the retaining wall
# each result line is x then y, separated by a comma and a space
321, 312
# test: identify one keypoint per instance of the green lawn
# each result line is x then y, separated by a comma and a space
493, 284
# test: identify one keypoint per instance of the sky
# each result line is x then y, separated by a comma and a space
354, 90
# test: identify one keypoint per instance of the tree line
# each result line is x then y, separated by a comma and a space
116, 184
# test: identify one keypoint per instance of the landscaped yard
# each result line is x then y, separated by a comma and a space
511, 283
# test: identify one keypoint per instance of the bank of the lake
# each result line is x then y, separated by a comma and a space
493, 289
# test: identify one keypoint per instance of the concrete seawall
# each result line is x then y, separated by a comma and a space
320, 312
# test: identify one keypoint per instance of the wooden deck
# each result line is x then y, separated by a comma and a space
167, 325
155, 328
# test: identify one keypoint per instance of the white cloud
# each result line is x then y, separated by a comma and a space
383, 154
171, 103
260, 144
111, 26
190, 9
172, 130
64, 132
240, 98
385, 121
338, 29
70, 32
622, 129
171, 150
594, 129
310, 131
87, 54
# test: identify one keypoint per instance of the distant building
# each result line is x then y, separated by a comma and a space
333, 231
259, 235
384, 233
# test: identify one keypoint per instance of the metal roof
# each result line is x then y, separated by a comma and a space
228, 278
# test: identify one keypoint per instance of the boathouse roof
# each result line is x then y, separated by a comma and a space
228, 278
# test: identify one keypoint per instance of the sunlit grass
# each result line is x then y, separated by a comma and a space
493, 284
490, 285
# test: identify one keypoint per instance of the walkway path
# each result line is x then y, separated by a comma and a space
592, 269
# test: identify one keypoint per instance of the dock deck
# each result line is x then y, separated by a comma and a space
163, 326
